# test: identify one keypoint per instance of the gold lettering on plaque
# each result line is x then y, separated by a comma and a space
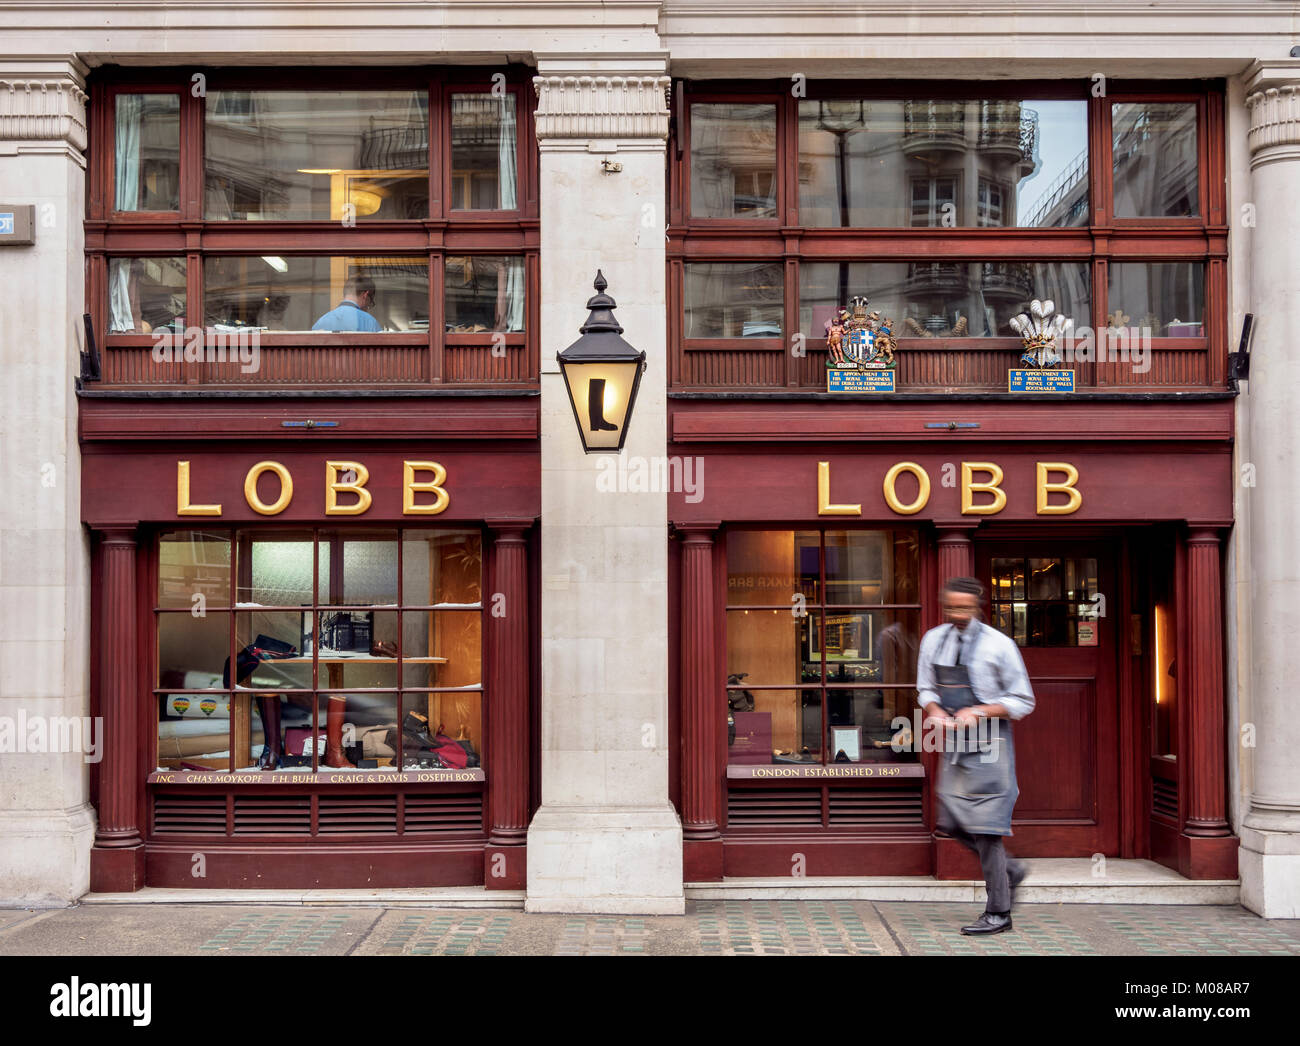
250, 488
922, 495
411, 487
358, 487
183, 506
969, 488
824, 506
1073, 497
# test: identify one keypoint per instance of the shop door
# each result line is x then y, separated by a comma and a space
1059, 601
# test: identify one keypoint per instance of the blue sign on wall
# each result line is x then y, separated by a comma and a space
6, 223
871, 380
1040, 381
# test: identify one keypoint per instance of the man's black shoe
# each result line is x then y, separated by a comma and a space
989, 922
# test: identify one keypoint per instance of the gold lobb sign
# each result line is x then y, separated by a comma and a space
970, 486
341, 477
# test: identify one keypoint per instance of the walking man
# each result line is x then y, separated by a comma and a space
966, 672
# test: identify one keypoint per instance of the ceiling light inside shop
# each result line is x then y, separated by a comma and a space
278, 264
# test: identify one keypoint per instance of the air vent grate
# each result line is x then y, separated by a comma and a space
1164, 799
793, 806
272, 815
443, 813
876, 806
357, 815
189, 815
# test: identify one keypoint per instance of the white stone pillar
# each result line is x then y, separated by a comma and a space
1269, 859
606, 838
46, 824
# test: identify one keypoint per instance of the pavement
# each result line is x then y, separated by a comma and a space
709, 927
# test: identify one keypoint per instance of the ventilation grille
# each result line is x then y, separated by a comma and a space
189, 815
1164, 799
357, 815
786, 806
272, 815
876, 806
443, 813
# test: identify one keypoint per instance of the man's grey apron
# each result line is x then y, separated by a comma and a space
977, 787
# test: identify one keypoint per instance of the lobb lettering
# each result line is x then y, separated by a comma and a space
983, 489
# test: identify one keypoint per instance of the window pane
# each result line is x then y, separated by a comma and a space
369, 566
871, 566
274, 293
980, 162
733, 160
353, 732
1165, 298
458, 716
1155, 159
861, 728
734, 300
192, 650
764, 647
277, 721
145, 295
278, 570
441, 566
358, 649
316, 155
1045, 579
146, 167
483, 163
1008, 579
194, 732
272, 649
194, 563
484, 292
442, 649
761, 567
943, 299
763, 723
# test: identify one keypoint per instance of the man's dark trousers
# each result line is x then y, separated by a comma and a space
993, 861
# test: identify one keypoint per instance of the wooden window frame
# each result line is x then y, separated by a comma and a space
187, 233
1103, 240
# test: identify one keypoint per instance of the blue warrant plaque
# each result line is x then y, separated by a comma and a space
861, 381
1040, 381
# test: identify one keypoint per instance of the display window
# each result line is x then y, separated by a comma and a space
319, 650
949, 210
823, 628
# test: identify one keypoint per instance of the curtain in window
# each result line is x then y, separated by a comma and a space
506, 162
130, 114
121, 320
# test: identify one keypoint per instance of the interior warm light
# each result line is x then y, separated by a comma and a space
365, 201
1160, 660
278, 264
320, 170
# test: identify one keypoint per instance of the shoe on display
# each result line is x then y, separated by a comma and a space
989, 922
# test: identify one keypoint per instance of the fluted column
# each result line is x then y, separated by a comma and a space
508, 688
701, 707
117, 859
956, 551
1206, 796
1270, 831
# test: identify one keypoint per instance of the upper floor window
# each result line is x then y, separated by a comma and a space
387, 205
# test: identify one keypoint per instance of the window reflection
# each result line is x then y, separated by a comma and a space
483, 162
975, 162
733, 160
146, 169
1155, 159
734, 300
316, 155
943, 299
273, 293
1165, 298
484, 292
145, 295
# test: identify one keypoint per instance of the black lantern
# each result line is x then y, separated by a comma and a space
602, 373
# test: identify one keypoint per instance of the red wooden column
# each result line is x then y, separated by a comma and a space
701, 709
956, 559
956, 551
506, 606
117, 857
1207, 848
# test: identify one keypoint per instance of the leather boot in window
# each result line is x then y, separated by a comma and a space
268, 707
334, 757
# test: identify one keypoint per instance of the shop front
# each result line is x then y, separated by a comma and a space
808, 566
313, 656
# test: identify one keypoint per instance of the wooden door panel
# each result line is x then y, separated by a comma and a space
1055, 753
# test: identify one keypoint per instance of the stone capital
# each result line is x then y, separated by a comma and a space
587, 96
1273, 100
43, 101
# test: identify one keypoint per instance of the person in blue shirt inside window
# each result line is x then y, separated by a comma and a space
353, 313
